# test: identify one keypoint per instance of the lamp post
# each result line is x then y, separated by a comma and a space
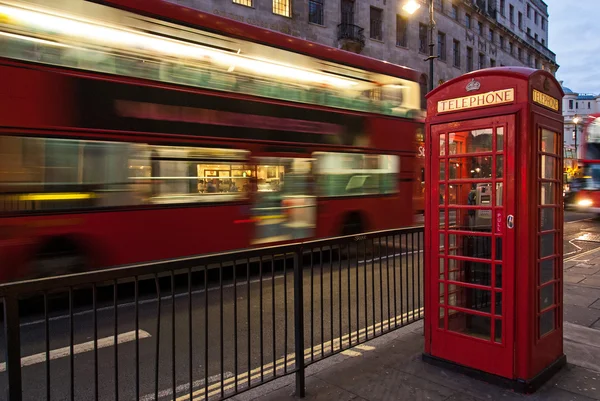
576, 120
410, 7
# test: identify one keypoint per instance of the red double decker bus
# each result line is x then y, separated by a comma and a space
587, 187
137, 130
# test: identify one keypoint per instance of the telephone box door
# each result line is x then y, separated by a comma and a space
472, 231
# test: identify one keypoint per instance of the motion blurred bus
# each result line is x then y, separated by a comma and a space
137, 130
587, 188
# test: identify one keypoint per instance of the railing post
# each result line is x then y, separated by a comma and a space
13, 347
299, 324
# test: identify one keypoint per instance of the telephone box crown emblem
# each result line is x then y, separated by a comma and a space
473, 85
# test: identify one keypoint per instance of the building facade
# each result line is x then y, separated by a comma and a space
576, 108
469, 34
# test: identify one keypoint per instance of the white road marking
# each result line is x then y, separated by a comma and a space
365, 347
186, 387
179, 295
280, 364
351, 353
79, 348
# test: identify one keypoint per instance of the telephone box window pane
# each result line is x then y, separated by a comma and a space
547, 270
442, 170
441, 320
442, 293
498, 248
546, 245
442, 194
470, 298
479, 220
442, 243
498, 283
548, 142
547, 322
499, 139
549, 167
499, 193
546, 296
479, 140
479, 194
442, 265
499, 166
470, 272
547, 193
498, 310
498, 331
476, 167
442, 144
469, 325
547, 216
470, 246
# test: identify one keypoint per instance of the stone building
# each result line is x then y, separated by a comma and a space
469, 34
576, 108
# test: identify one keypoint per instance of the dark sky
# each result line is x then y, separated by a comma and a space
574, 38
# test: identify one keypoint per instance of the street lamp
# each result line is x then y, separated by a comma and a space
411, 6
576, 121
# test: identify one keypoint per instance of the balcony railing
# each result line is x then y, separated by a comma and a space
352, 33
541, 48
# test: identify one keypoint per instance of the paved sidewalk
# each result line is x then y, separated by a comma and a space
390, 367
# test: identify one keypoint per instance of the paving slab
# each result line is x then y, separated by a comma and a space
581, 381
579, 295
593, 281
587, 269
316, 390
573, 278
581, 315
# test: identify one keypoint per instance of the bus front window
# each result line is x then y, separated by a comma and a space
592, 177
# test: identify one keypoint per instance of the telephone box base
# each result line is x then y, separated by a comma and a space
517, 385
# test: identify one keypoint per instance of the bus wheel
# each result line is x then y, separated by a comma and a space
57, 257
353, 224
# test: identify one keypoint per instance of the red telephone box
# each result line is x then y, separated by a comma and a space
494, 226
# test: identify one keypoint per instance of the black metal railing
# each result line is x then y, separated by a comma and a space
206, 327
352, 33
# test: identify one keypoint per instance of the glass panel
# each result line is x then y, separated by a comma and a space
441, 319
470, 272
442, 193
498, 331
548, 143
499, 193
442, 244
547, 218
470, 194
470, 298
354, 174
470, 167
498, 306
474, 141
498, 276
547, 270
479, 220
442, 144
499, 166
547, 322
442, 265
470, 245
470, 325
547, 193
546, 296
498, 255
442, 170
546, 245
548, 167
499, 139
442, 293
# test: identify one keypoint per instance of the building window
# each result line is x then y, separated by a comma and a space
543, 24
479, 28
544, 42
441, 45
519, 54
589, 105
376, 23
315, 11
492, 62
456, 53
481, 61
501, 38
520, 20
510, 48
491, 35
282, 7
469, 59
530, 60
511, 13
502, 8
536, 63
442, 8
576, 105
536, 18
401, 31
454, 12
247, 3
347, 12
536, 37
422, 38
528, 11
570, 105
468, 21
529, 32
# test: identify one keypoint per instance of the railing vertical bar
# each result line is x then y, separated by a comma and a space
157, 348
206, 333
366, 280
173, 349
248, 318
95, 317
13, 347
136, 298
331, 295
420, 267
47, 343
322, 303
71, 345
221, 326
261, 337
380, 287
349, 296
394, 274
340, 292
412, 269
190, 338
285, 315
387, 269
403, 290
115, 336
273, 320
312, 309
357, 293
235, 328
299, 324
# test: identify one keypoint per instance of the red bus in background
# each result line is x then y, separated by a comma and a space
135, 130
587, 186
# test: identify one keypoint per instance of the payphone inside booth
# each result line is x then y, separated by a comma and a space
493, 236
